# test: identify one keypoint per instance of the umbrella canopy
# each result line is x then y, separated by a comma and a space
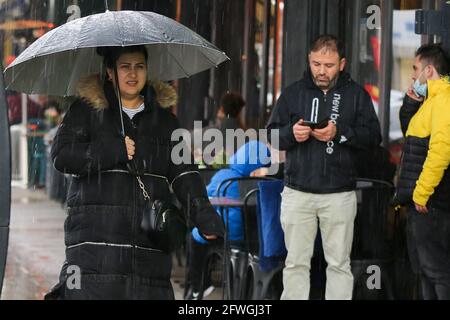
54, 63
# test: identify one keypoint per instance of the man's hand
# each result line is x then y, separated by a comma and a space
421, 209
261, 172
301, 133
129, 143
209, 237
326, 134
413, 96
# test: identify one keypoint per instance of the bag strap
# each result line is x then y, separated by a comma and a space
142, 186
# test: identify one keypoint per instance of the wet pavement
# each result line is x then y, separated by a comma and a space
36, 248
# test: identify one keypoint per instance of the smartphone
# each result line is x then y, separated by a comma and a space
316, 125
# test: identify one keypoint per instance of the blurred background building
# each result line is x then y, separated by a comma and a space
267, 41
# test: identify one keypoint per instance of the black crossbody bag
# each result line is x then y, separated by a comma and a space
163, 222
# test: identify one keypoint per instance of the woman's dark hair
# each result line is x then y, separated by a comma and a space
232, 104
111, 54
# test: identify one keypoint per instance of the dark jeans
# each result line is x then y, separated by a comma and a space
429, 251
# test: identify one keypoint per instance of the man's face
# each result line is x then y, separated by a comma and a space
419, 70
325, 67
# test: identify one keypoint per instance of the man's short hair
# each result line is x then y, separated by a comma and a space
329, 42
232, 104
435, 55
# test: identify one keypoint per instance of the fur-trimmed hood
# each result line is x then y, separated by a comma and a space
90, 89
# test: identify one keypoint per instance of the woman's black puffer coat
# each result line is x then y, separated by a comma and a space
102, 230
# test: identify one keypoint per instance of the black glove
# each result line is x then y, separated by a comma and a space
191, 192
188, 186
206, 219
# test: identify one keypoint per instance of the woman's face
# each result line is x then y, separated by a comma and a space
132, 74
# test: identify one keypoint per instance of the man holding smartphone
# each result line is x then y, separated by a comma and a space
319, 169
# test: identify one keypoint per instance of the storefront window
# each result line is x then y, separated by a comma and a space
369, 65
369, 45
268, 48
404, 44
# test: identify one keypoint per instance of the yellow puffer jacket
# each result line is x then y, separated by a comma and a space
432, 121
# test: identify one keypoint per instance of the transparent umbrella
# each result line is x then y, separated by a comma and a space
54, 63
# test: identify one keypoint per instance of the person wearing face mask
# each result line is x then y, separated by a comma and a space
415, 94
424, 178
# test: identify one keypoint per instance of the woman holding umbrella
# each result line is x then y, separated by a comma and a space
115, 132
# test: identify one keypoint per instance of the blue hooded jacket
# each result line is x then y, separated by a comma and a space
251, 156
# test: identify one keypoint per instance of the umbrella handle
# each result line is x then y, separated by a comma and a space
116, 87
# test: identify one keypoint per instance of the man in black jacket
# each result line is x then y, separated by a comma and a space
320, 169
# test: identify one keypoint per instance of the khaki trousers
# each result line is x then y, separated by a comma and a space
300, 214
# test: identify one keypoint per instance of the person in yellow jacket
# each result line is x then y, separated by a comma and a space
424, 181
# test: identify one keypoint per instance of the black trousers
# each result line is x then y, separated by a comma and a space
197, 256
428, 237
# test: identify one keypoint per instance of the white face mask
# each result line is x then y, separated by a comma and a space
420, 89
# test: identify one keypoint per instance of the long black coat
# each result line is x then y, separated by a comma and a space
102, 231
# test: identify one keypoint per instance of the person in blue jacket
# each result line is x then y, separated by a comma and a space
250, 157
